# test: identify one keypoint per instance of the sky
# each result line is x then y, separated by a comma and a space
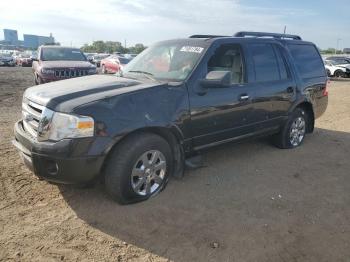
75, 23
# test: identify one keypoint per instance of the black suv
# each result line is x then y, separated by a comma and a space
173, 100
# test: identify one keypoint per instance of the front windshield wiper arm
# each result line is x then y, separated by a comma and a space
145, 73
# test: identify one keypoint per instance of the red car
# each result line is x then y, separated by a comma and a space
113, 64
24, 60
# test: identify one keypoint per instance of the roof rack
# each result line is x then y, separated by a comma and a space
262, 34
207, 36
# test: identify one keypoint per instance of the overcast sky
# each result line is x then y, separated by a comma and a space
142, 21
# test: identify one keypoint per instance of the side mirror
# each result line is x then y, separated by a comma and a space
217, 79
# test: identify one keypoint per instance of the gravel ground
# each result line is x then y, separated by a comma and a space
252, 201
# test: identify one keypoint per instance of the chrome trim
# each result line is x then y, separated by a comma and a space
44, 124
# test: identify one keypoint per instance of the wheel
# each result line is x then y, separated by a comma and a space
138, 168
293, 132
37, 80
338, 73
103, 69
329, 73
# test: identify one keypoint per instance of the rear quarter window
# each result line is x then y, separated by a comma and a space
307, 60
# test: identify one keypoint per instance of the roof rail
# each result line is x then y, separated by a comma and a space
207, 36
262, 34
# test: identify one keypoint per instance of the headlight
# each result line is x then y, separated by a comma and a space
65, 126
92, 71
46, 71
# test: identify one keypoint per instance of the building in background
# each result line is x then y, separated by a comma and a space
34, 41
10, 36
29, 41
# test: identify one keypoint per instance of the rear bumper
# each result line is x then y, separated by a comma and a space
65, 161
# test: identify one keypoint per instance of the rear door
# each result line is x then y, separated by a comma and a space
275, 88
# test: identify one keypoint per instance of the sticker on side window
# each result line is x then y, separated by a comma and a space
193, 49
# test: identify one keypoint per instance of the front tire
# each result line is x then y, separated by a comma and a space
138, 168
293, 132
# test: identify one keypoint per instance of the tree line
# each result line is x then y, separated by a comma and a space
111, 47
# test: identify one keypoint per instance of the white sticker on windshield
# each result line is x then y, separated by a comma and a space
193, 49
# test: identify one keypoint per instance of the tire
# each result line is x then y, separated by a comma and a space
338, 73
103, 69
329, 73
292, 133
129, 173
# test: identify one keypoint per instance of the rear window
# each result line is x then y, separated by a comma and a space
307, 60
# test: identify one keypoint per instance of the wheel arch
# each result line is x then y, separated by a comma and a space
308, 108
171, 135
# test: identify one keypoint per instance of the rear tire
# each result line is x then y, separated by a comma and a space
103, 69
293, 132
138, 168
338, 74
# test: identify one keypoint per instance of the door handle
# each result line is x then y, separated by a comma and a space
290, 89
243, 97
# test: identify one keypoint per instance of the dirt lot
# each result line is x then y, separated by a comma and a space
253, 201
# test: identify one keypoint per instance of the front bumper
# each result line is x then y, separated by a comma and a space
69, 161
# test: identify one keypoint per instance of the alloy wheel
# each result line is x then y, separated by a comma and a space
148, 173
297, 131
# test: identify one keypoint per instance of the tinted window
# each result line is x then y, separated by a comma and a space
62, 54
228, 58
265, 62
307, 60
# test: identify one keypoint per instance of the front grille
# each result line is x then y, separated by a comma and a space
68, 73
31, 114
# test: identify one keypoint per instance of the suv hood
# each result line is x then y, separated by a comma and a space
65, 95
65, 64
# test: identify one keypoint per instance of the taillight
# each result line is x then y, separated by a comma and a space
325, 91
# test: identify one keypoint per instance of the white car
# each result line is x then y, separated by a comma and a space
336, 70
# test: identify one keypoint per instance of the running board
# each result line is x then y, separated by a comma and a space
194, 162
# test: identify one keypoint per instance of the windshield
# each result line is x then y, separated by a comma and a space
62, 54
171, 60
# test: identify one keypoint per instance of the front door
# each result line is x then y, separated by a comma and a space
219, 113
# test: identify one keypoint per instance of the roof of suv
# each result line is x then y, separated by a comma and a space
256, 36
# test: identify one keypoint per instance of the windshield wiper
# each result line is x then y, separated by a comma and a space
145, 73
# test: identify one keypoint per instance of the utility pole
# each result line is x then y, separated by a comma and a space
338, 40
285, 29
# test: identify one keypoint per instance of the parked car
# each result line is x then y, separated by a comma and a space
335, 70
341, 60
130, 56
113, 64
24, 59
57, 63
96, 59
175, 99
7, 60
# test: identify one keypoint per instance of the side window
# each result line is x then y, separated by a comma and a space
265, 62
228, 58
307, 60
